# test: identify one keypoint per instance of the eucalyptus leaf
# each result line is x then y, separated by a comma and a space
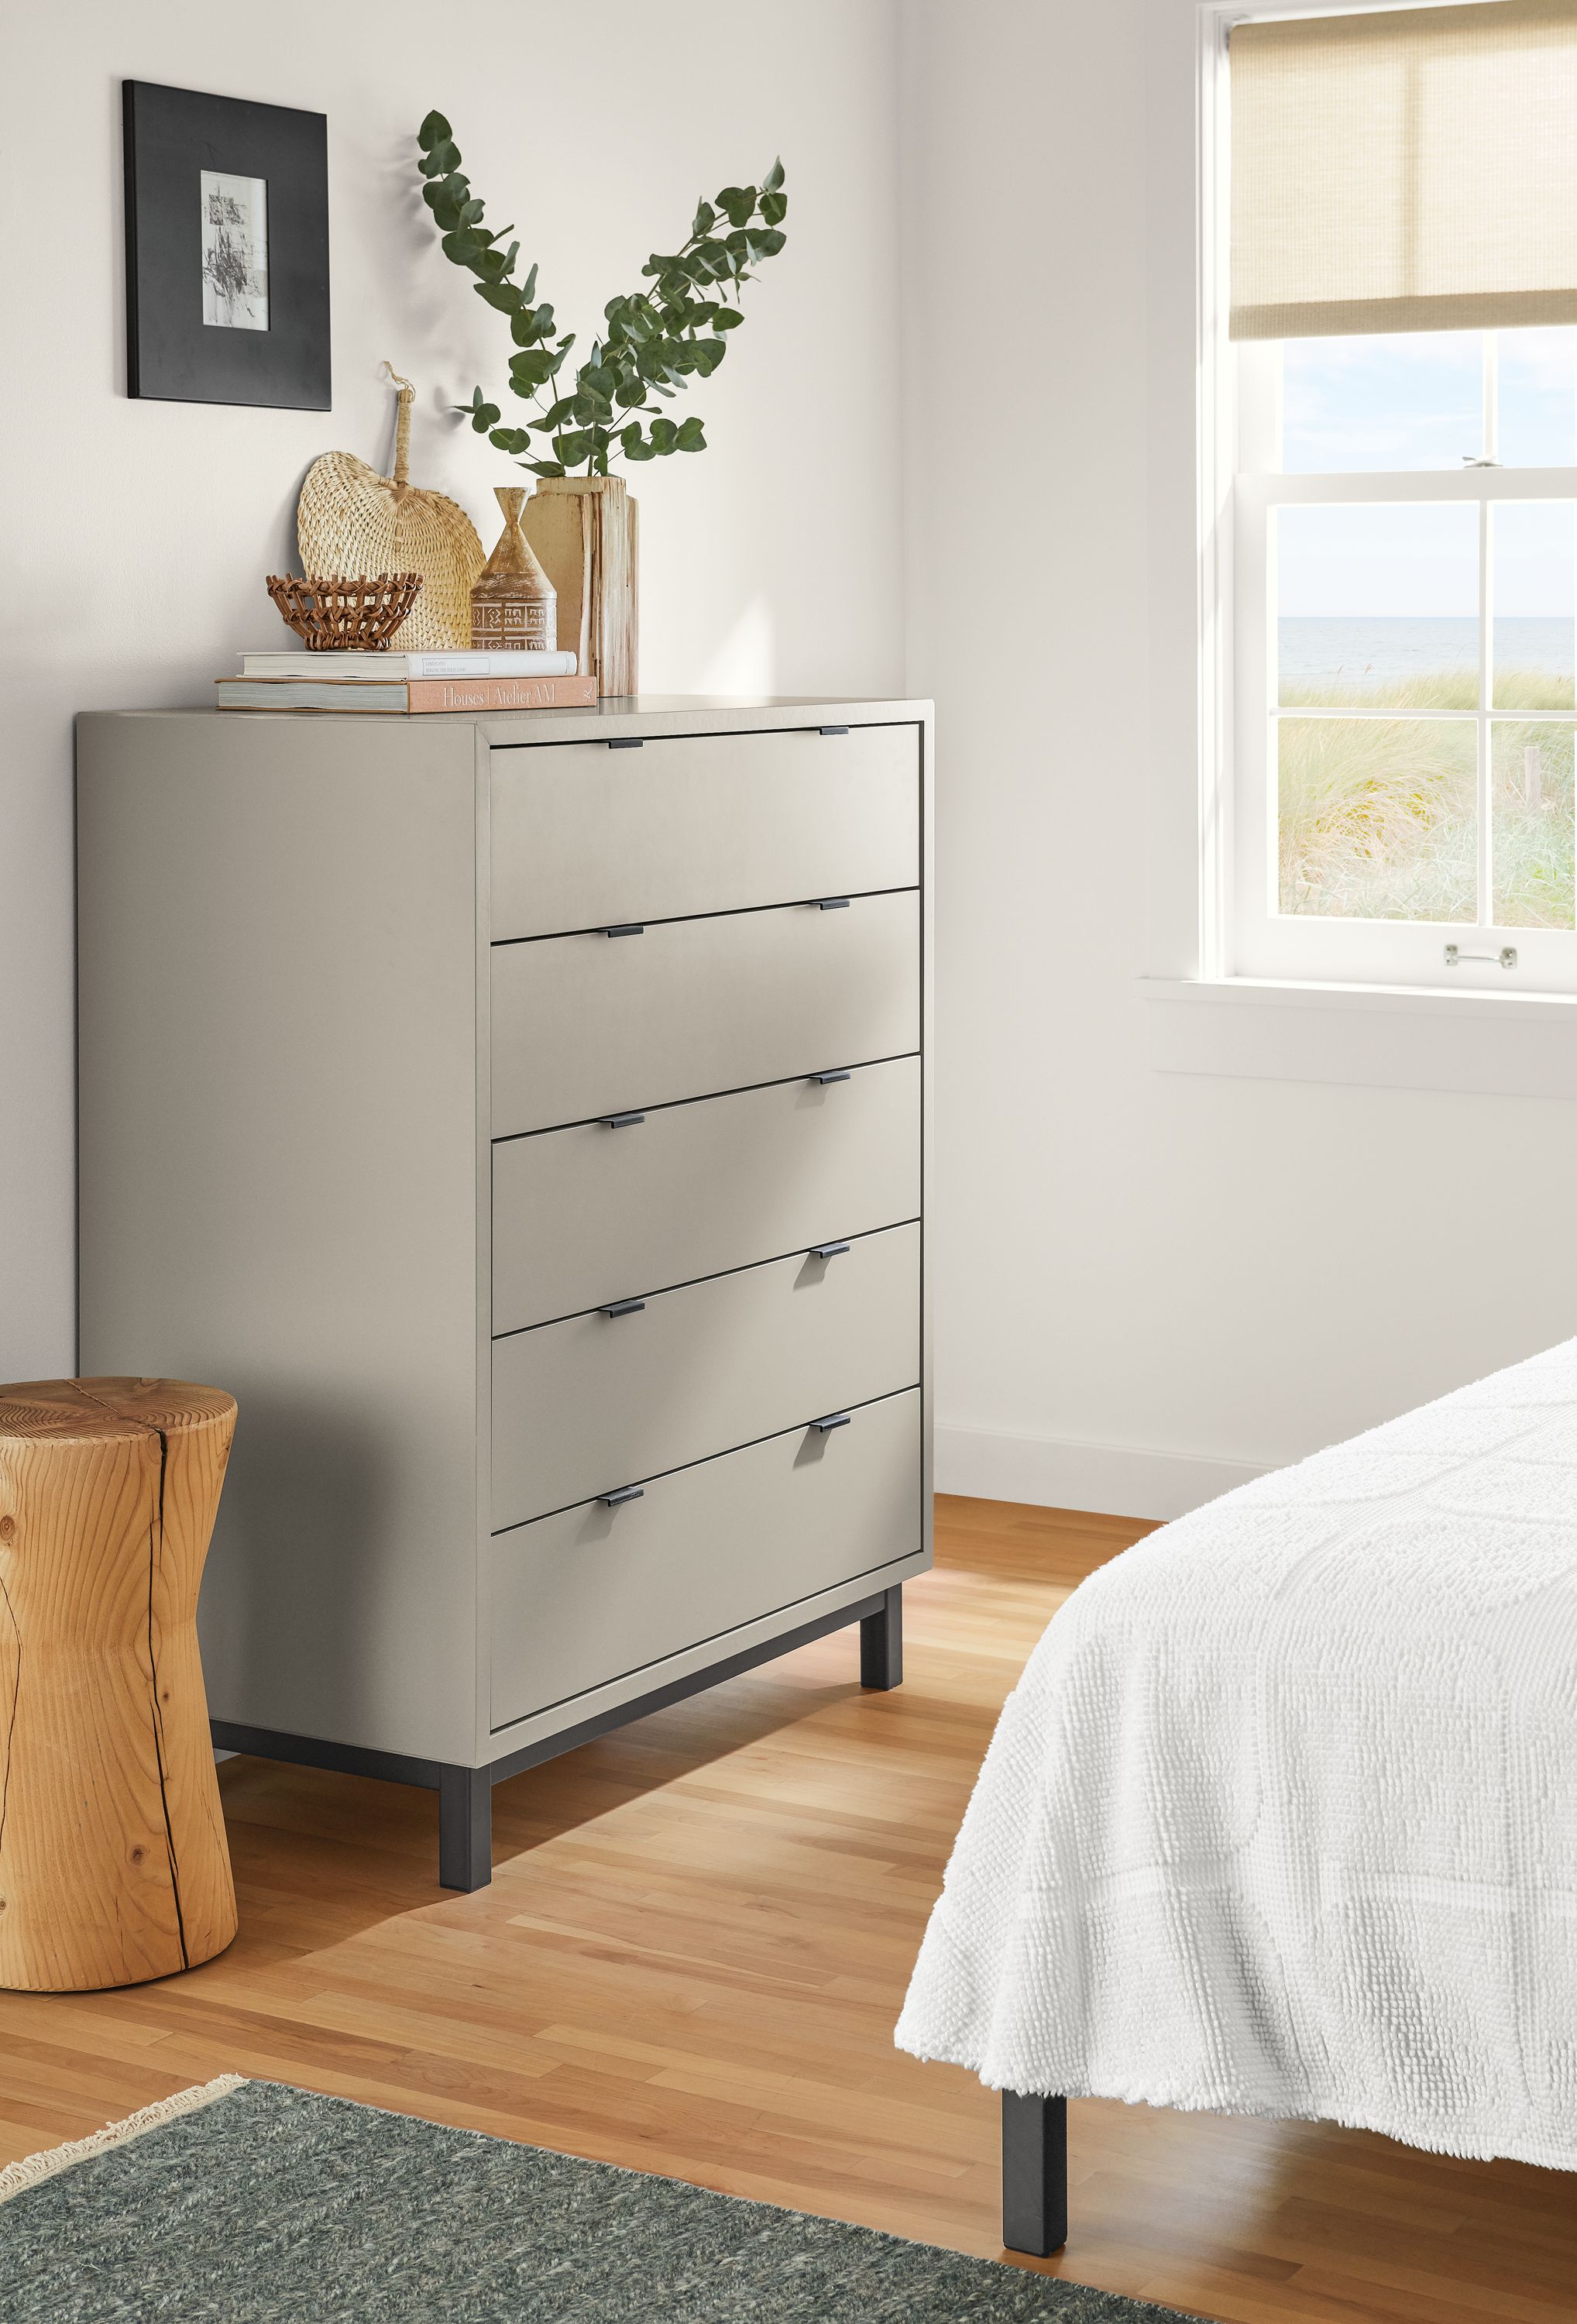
434, 131
774, 178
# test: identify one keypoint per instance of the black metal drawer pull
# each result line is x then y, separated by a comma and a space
626, 742
833, 1420
619, 1121
831, 730
842, 1075
625, 1493
828, 1250
832, 903
624, 1307
627, 928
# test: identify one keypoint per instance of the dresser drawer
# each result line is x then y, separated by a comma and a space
582, 835
588, 1214
591, 1594
597, 1402
589, 1025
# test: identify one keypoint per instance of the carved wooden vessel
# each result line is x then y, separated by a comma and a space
512, 601
113, 1862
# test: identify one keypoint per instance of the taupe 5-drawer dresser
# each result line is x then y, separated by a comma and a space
523, 1116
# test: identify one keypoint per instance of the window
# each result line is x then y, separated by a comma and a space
1399, 406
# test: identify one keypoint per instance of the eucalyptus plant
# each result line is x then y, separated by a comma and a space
656, 341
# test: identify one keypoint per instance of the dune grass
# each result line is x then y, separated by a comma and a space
1378, 814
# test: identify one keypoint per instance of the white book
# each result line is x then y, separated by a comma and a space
524, 661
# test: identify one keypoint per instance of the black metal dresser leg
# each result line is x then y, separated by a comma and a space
465, 1827
1034, 2173
881, 1642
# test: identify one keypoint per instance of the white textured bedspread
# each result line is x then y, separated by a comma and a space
1282, 1817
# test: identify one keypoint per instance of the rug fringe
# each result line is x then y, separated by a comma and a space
17, 2177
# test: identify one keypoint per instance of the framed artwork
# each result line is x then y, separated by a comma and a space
226, 250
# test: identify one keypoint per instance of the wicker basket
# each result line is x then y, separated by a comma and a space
345, 613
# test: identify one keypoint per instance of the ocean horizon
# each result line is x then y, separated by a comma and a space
1377, 648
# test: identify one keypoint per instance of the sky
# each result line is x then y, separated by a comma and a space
1416, 400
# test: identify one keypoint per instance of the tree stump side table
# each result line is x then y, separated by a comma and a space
113, 1867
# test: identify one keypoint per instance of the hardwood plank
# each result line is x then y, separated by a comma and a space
691, 1961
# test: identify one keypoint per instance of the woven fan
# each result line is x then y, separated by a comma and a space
351, 520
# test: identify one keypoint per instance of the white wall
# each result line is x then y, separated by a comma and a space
1147, 1283
138, 533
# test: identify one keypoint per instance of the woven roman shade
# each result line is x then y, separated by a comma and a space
1410, 171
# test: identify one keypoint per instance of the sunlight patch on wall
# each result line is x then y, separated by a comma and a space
746, 660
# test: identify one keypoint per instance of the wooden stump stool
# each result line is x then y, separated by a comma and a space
113, 1862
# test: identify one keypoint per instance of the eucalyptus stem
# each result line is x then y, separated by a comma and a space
656, 339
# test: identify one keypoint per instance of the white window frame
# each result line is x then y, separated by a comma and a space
1240, 938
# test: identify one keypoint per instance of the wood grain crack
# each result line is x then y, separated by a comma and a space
11, 1717
155, 1543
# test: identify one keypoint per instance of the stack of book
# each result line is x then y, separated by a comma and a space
502, 680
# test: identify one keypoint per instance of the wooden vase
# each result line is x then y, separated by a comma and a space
513, 604
113, 1862
584, 531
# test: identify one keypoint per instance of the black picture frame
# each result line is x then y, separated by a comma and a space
172, 137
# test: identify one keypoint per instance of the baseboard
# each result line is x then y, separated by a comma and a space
1122, 1481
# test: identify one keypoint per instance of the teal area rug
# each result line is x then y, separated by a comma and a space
264, 2205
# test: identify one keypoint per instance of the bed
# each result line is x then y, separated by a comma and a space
1281, 1819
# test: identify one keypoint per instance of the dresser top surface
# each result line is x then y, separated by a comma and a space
692, 714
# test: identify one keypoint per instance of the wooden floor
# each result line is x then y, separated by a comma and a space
690, 1960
